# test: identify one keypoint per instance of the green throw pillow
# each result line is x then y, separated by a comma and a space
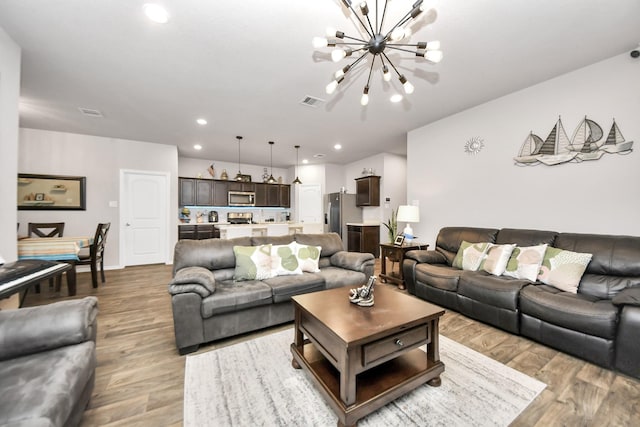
308, 257
470, 255
525, 262
284, 261
563, 269
252, 262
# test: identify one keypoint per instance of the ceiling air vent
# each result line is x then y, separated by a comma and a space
312, 101
90, 112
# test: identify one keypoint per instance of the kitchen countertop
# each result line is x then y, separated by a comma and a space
226, 224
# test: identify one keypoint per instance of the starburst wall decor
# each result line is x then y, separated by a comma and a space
474, 145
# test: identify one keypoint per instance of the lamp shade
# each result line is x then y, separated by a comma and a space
408, 213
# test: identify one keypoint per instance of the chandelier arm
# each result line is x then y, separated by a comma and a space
405, 44
360, 20
371, 69
362, 43
400, 23
370, 26
354, 63
391, 63
356, 39
384, 13
399, 48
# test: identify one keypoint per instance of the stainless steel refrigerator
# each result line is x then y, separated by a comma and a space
341, 209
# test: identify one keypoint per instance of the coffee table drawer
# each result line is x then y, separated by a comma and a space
393, 344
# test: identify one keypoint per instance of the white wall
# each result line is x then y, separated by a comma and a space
100, 160
9, 97
489, 190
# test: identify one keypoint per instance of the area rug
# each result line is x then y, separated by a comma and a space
252, 383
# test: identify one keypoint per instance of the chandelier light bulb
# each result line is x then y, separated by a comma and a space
331, 87
386, 75
364, 8
397, 34
319, 42
434, 56
338, 54
417, 11
330, 32
339, 74
433, 45
365, 96
408, 88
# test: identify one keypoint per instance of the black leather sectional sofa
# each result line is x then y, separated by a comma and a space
600, 323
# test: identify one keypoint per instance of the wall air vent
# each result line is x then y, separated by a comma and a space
90, 112
312, 101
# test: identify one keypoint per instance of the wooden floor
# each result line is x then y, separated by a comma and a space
139, 379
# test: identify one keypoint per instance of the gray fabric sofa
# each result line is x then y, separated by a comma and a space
47, 363
601, 323
209, 305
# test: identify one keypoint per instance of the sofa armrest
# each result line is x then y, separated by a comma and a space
193, 279
356, 261
35, 329
628, 296
431, 257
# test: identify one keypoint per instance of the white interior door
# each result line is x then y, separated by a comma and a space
144, 197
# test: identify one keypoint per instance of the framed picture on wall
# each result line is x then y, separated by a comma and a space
51, 192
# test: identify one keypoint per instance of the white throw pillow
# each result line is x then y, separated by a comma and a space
252, 262
470, 255
308, 257
495, 261
563, 269
284, 261
525, 262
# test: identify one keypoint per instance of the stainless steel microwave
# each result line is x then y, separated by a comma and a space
242, 198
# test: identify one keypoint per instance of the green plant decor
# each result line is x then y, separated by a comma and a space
392, 225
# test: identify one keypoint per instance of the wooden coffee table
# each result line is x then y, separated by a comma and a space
362, 358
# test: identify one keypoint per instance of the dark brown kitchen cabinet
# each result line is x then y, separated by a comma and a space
187, 191
204, 192
368, 191
198, 231
285, 195
241, 186
364, 238
220, 189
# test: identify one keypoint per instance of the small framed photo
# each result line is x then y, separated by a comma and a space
399, 240
39, 197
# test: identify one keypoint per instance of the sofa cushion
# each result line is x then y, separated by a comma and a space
252, 262
284, 287
336, 277
284, 261
525, 262
524, 237
438, 276
274, 240
43, 388
495, 291
330, 242
449, 239
582, 313
234, 296
495, 261
563, 269
211, 254
470, 255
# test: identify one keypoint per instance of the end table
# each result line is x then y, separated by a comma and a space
395, 253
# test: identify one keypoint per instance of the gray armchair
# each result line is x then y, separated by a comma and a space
47, 363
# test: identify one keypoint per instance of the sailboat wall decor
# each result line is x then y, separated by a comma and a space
587, 143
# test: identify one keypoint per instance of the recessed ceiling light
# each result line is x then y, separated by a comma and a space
396, 98
337, 147
305, 161
156, 13
198, 147
201, 122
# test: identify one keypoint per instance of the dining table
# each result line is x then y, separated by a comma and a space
60, 249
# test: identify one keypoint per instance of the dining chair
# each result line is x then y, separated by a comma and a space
46, 229
96, 253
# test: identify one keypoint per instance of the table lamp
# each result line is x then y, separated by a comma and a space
408, 214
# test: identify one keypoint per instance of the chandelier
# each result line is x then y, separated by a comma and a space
379, 42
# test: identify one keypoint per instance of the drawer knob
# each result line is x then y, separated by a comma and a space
399, 342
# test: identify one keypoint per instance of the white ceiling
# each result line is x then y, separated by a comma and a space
246, 65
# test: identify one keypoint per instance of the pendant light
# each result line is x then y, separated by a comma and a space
239, 175
271, 179
297, 180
